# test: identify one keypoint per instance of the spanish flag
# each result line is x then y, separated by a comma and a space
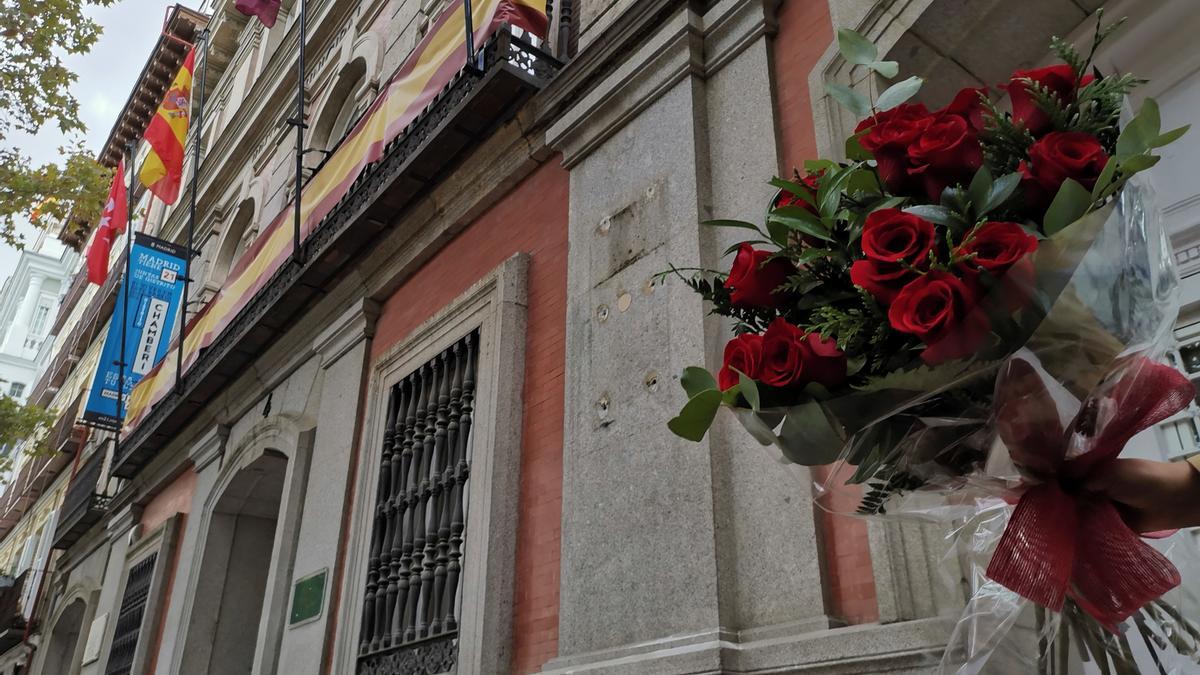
162, 172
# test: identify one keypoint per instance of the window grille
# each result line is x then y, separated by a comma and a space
410, 609
129, 619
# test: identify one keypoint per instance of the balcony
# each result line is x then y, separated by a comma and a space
85, 503
67, 435
464, 113
12, 621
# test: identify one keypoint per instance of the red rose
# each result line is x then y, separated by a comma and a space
791, 356
890, 133
882, 280
967, 105
943, 312
1060, 155
755, 276
947, 152
996, 246
823, 362
891, 239
742, 354
1058, 79
892, 235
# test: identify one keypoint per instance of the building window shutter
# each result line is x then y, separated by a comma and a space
411, 605
129, 619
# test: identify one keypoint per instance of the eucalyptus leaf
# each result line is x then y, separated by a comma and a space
695, 380
1002, 188
980, 187
1104, 181
1169, 137
899, 93
855, 48
1070, 204
696, 416
1141, 131
888, 69
851, 99
1136, 163
749, 390
808, 437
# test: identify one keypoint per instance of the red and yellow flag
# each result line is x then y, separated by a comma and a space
162, 172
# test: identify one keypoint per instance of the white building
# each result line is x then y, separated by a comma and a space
28, 303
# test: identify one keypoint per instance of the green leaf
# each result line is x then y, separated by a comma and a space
980, 187
1002, 188
801, 191
855, 48
1141, 131
854, 149
888, 69
696, 416
778, 232
1169, 137
850, 99
830, 194
741, 224
734, 247
1070, 204
1104, 181
863, 181
934, 214
800, 220
695, 380
819, 165
749, 390
808, 437
1136, 163
899, 93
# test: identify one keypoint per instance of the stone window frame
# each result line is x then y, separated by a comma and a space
162, 541
496, 307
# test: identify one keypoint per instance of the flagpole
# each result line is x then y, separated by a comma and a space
300, 126
129, 223
191, 226
473, 60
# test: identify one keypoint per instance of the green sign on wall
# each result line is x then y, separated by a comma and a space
308, 598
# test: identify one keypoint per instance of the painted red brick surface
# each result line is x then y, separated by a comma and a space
531, 219
805, 32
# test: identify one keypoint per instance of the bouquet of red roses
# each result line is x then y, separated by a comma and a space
970, 308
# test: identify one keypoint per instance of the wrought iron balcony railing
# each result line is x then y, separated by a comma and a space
12, 620
85, 503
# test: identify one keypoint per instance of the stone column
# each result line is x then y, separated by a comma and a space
14, 342
678, 556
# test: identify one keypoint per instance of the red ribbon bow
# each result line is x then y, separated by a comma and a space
1060, 540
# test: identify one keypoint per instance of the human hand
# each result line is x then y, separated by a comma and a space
1154, 496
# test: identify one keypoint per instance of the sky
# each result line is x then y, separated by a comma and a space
106, 75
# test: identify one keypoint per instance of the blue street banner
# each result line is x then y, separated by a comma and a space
155, 290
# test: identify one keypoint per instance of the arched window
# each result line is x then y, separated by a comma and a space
234, 242
340, 111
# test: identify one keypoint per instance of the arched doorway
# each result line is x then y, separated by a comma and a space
223, 631
64, 640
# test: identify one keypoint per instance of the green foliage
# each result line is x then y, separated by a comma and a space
35, 91
1005, 143
878, 492
860, 51
20, 423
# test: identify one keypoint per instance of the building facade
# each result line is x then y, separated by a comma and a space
433, 439
29, 301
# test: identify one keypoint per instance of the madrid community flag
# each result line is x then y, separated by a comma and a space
112, 223
162, 171
266, 10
